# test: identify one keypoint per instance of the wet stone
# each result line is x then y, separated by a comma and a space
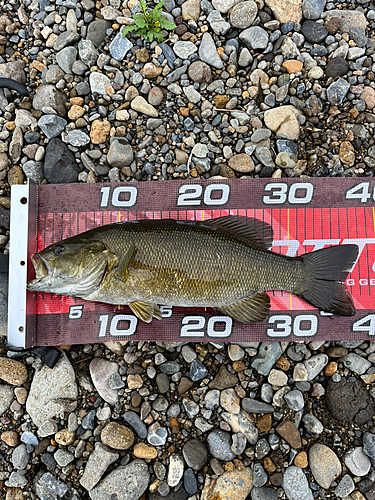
253, 406
337, 91
157, 435
190, 483
219, 445
60, 166
295, 484
195, 454
162, 382
337, 66
197, 371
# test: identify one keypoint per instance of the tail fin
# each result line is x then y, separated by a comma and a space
326, 269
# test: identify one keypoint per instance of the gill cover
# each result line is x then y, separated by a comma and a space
75, 269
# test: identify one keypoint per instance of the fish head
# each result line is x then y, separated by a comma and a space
74, 268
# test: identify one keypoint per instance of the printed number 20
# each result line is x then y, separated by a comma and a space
189, 194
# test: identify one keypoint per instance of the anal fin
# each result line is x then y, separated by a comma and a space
254, 309
145, 311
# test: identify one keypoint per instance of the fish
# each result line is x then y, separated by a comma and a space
224, 263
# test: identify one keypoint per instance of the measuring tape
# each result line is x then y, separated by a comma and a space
305, 214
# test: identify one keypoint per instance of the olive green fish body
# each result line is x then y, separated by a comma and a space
224, 263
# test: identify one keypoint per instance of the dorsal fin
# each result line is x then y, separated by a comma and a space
252, 231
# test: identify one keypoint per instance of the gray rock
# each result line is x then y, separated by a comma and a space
48, 95
369, 445
345, 487
254, 37
239, 443
60, 165
195, 454
127, 482
184, 50
337, 91
120, 153
355, 363
63, 457
192, 95
87, 52
20, 457
295, 484
136, 423
245, 58
219, 445
157, 435
52, 125
208, 52
79, 68
264, 156
77, 138
101, 371
312, 424
259, 476
315, 365
65, 59
176, 74
119, 47
97, 31
16, 480
224, 6
267, 356
66, 38
116, 382
162, 381
294, 400
191, 408
53, 391
190, 483
197, 371
33, 170
253, 406
99, 83
99, 461
357, 462
243, 14
47, 487
170, 367
217, 23
263, 494
313, 9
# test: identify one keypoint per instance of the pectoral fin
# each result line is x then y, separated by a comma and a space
253, 309
124, 262
145, 311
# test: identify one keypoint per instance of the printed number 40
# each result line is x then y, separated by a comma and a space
360, 192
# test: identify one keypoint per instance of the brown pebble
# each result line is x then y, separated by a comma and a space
330, 369
269, 465
221, 101
12, 371
301, 460
155, 96
241, 163
10, 438
184, 385
142, 55
136, 400
283, 364
99, 132
337, 352
64, 437
117, 436
16, 175
333, 25
239, 366
141, 450
288, 431
264, 423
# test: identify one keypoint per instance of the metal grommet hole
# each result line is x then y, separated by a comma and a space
20, 328
23, 200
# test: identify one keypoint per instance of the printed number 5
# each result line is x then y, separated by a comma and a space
75, 312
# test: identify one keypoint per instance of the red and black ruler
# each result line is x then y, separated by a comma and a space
306, 215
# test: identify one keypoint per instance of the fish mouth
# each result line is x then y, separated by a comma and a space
42, 271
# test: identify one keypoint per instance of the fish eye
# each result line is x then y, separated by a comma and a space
58, 250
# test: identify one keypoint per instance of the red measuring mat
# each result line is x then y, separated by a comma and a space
305, 215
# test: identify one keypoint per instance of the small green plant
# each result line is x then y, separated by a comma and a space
149, 24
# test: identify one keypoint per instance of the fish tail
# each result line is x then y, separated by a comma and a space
325, 272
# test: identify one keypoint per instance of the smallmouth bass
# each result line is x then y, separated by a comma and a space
223, 263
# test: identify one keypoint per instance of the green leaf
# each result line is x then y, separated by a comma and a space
139, 21
127, 30
159, 37
160, 5
167, 24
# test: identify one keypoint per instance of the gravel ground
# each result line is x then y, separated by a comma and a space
238, 89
